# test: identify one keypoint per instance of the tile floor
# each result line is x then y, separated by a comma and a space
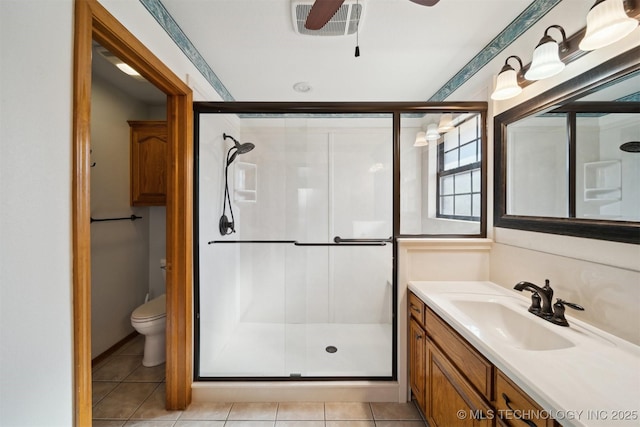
125, 393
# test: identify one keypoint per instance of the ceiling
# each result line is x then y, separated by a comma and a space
408, 51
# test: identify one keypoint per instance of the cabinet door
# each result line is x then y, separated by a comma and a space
452, 401
417, 362
148, 163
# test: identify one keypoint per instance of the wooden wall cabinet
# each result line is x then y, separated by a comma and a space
148, 167
454, 385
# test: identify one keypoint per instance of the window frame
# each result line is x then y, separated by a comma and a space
469, 167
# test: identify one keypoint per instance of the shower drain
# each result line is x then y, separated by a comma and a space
331, 349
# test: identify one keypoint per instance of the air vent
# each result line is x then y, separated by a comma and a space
344, 22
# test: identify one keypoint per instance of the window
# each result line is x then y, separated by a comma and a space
459, 177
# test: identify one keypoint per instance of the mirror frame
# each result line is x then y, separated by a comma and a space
579, 86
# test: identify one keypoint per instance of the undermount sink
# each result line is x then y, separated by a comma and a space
520, 330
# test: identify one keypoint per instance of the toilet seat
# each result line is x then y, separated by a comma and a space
150, 311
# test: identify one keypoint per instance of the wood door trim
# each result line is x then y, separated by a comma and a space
93, 21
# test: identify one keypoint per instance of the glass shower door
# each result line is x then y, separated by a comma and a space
306, 281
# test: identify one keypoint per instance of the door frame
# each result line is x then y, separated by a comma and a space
93, 22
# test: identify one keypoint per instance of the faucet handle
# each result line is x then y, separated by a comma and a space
558, 311
569, 304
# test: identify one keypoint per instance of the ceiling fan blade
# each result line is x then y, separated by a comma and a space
321, 12
426, 2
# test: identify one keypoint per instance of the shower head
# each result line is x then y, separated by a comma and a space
225, 225
245, 148
240, 148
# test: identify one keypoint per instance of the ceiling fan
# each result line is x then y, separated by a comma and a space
323, 10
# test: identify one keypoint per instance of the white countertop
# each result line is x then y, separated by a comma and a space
593, 382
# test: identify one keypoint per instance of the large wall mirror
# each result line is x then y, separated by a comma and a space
568, 161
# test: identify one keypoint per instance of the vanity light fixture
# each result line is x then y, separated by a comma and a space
507, 81
607, 22
421, 139
446, 123
546, 57
432, 132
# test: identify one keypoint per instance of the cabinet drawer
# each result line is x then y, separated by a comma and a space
514, 406
477, 369
416, 308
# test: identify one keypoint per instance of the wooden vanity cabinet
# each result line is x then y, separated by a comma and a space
453, 384
417, 351
148, 179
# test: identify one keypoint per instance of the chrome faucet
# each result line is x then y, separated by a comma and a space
544, 294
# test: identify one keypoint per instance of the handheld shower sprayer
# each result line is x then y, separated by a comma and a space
225, 226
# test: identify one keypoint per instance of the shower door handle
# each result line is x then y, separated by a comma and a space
339, 239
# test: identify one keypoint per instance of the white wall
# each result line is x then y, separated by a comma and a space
35, 222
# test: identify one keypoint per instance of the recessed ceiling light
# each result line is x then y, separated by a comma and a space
302, 87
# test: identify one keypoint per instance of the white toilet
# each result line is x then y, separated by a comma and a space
150, 320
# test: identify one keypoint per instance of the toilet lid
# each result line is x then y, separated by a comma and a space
154, 309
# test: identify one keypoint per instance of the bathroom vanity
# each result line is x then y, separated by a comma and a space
477, 357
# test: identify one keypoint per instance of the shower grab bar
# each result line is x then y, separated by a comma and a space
131, 218
253, 241
342, 242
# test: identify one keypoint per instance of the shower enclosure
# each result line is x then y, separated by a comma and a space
303, 288
298, 207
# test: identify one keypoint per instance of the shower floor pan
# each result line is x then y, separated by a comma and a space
301, 351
